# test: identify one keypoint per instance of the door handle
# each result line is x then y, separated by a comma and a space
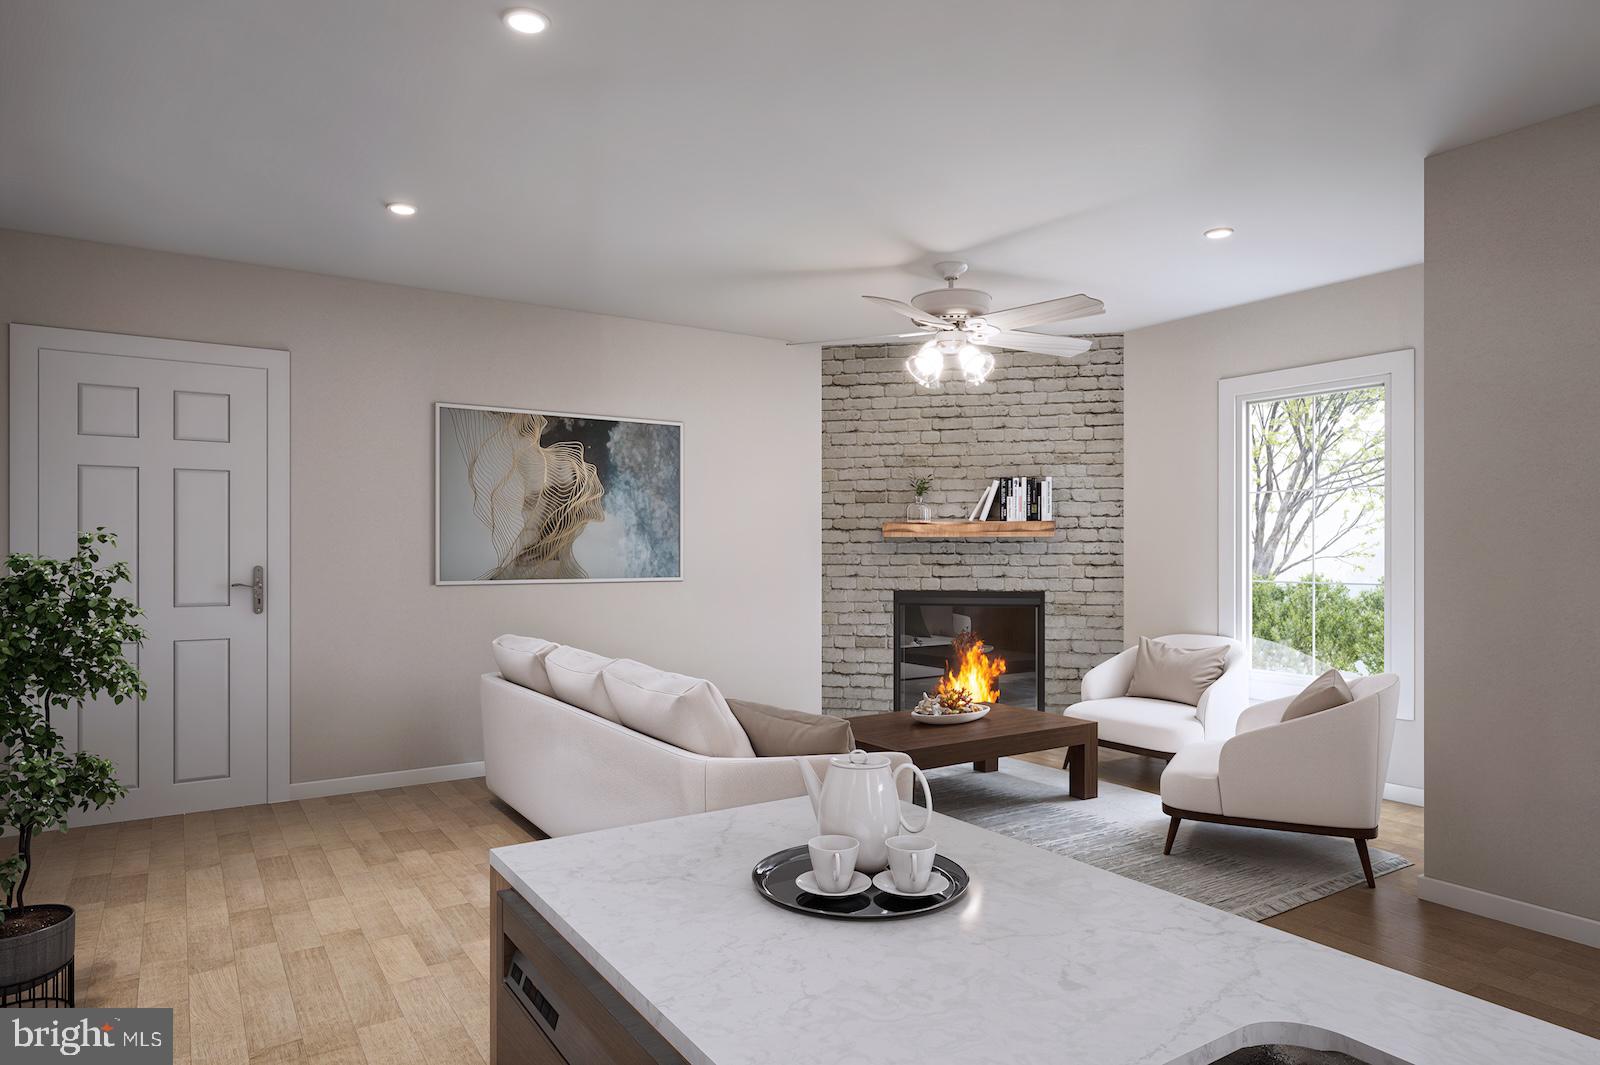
258, 589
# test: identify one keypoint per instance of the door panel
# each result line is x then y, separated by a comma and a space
200, 416
109, 496
172, 456
108, 410
202, 710
200, 538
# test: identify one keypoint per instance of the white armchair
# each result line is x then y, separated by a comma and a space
1156, 727
1322, 774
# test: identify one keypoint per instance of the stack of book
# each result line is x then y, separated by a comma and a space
1016, 499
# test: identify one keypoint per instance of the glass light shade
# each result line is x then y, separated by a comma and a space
976, 364
927, 365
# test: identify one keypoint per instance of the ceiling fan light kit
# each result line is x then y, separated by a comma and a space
958, 327
976, 364
926, 365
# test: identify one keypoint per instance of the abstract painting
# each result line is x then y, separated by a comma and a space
525, 496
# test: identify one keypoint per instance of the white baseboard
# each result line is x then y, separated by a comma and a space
403, 778
1403, 793
1512, 911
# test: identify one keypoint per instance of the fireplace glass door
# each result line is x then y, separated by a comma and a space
989, 643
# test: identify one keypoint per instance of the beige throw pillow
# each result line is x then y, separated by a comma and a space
687, 712
775, 732
1163, 671
1324, 693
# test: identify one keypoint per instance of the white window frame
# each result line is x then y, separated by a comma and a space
1395, 372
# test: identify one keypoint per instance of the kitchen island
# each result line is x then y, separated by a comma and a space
1045, 960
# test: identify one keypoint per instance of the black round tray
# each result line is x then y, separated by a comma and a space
775, 874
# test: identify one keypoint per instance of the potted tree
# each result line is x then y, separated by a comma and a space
63, 630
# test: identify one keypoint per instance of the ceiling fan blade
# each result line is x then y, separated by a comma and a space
920, 317
1058, 310
1040, 343
887, 338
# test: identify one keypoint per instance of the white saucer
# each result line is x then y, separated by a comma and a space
807, 882
937, 882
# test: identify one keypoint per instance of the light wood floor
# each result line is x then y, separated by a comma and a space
354, 929
334, 931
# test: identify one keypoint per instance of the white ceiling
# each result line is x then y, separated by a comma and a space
754, 166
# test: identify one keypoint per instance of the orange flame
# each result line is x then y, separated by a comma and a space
974, 672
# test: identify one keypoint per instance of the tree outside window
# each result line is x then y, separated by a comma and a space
1316, 527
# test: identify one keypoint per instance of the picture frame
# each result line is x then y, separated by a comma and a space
524, 496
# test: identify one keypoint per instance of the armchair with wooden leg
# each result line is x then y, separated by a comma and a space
1322, 773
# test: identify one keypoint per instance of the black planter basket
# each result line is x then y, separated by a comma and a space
36, 968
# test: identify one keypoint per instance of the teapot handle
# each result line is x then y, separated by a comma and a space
927, 797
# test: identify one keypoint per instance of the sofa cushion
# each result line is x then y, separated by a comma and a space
687, 712
1153, 724
1162, 671
577, 677
775, 732
1324, 693
1190, 781
521, 661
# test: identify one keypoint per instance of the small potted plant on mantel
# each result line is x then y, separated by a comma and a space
919, 510
63, 630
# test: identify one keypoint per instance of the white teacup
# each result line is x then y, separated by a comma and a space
833, 860
911, 861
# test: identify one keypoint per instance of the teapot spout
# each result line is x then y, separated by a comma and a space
813, 785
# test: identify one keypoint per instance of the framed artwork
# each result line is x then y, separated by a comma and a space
526, 497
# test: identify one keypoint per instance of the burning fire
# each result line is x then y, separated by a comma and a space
974, 672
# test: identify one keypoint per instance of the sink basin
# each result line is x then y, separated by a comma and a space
1283, 1054
1286, 1043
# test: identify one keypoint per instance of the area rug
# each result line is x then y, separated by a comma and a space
1248, 872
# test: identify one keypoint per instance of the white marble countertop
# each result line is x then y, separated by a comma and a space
1045, 960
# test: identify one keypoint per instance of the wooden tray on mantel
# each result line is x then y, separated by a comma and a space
968, 530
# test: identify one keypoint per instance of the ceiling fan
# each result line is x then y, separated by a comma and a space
957, 324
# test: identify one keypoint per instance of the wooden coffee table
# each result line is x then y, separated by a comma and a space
1004, 730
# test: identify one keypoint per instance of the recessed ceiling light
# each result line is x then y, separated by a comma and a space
525, 20
1219, 233
404, 210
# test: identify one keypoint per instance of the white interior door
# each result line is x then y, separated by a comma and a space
172, 456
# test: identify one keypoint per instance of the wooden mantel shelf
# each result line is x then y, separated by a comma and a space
968, 530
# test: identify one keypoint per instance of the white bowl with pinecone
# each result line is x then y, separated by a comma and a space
953, 707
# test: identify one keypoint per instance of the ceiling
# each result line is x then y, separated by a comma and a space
756, 166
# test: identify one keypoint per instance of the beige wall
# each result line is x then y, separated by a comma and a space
1170, 377
1513, 498
385, 664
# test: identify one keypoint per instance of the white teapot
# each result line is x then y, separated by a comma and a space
858, 798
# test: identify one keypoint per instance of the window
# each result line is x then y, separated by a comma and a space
1317, 529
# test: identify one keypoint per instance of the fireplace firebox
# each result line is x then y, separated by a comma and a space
991, 643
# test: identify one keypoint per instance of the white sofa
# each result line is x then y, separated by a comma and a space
569, 770
1156, 727
1321, 774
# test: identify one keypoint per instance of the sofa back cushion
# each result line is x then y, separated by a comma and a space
578, 677
687, 712
1163, 671
1324, 693
775, 732
521, 661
